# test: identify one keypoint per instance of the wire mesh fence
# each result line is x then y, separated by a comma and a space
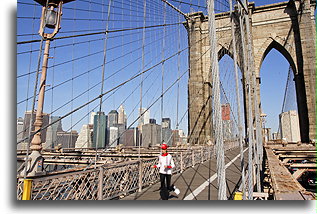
112, 182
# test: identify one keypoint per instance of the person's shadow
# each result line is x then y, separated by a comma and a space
165, 194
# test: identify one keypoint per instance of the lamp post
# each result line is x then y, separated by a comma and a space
50, 18
265, 133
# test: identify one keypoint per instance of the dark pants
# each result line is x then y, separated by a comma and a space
166, 181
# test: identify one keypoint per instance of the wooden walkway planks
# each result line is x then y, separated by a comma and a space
190, 180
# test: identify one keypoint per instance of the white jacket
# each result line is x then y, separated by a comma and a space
165, 160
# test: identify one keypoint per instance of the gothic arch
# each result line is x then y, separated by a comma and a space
276, 43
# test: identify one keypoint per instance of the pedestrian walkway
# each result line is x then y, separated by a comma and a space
199, 182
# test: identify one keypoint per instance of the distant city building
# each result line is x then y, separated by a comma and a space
92, 117
84, 139
267, 134
51, 134
276, 135
100, 130
131, 137
122, 117
225, 111
166, 123
167, 136
145, 118
176, 138
151, 135
66, 139
112, 118
26, 124
290, 126
19, 129
113, 136
152, 121
121, 130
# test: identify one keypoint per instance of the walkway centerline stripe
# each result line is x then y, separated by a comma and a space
196, 192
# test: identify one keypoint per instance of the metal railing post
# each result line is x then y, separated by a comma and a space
140, 176
193, 158
182, 165
100, 184
27, 189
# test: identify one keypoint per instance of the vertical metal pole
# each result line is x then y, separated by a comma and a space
36, 144
27, 189
140, 175
100, 184
182, 164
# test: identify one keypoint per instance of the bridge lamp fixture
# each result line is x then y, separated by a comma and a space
51, 16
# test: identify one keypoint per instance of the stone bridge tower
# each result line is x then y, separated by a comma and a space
289, 27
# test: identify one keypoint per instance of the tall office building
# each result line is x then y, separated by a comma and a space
113, 133
92, 117
66, 139
151, 135
145, 118
121, 130
166, 123
225, 111
176, 139
130, 137
84, 139
51, 134
152, 121
19, 128
122, 117
100, 130
167, 135
112, 118
290, 126
26, 125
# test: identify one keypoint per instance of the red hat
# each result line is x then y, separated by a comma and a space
164, 146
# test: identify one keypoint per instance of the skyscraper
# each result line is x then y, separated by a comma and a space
112, 118
290, 126
51, 134
122, 116
19, 128
144, 117
121, 129
130, 137
66, 139
166, 123
151, 135
100, 130
26, 125
92, 117
84, 139
225, 111
112, 136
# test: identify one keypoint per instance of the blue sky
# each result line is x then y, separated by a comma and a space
76, 67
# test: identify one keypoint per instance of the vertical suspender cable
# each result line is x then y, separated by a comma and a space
102, 78
237, 97
163, 63
178, 69
214, 69
249, 119
143, 67
256, 106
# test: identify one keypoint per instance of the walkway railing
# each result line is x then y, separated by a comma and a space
109, 182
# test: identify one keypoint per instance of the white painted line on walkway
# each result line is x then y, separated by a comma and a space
193, 194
